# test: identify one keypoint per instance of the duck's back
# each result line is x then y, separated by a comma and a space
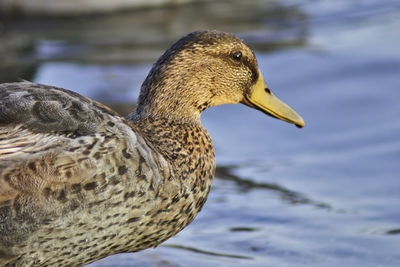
78, 183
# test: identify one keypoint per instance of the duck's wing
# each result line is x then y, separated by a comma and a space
48, 109
39, 122
52, 145
36, 117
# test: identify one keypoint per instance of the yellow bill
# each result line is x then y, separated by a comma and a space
263, 99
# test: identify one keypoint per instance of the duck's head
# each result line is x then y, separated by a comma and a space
205, 69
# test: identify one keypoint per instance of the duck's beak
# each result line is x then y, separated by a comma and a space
263, 99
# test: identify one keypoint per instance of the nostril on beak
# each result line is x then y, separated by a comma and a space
267, 90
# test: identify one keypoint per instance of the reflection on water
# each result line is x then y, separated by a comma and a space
325, 195
393, 232
207, 252
244, 185
141, 36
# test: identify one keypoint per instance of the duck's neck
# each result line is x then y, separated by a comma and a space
186, 145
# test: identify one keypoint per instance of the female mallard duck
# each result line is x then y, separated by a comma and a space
78, 182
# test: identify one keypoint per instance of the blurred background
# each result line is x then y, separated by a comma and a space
324, 195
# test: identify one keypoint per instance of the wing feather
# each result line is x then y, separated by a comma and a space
17, 141
49, 109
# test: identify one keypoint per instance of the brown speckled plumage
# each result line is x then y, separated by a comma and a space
78, 182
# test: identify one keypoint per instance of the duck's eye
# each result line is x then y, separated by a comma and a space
237, 55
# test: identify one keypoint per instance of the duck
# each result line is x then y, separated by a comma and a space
79, 182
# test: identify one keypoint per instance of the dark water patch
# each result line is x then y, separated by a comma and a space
196, 250
245, 185
393, 232
243, 229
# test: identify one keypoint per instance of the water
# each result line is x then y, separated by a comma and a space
324, 195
